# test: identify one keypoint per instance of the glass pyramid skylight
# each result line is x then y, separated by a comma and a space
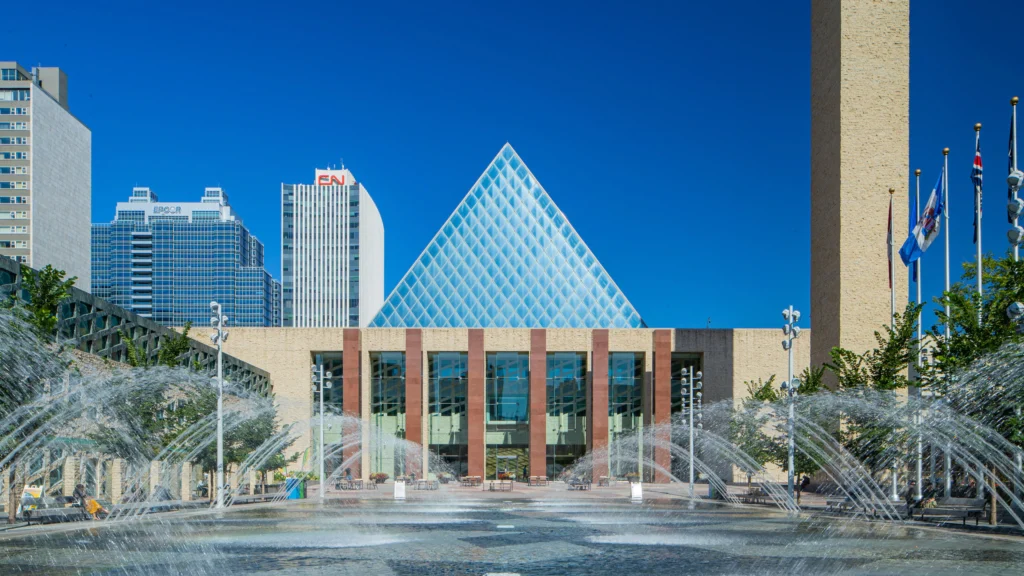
507, 258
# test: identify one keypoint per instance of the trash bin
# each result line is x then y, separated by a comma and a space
291, 489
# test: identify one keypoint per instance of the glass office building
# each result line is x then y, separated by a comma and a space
507, 258
168, 261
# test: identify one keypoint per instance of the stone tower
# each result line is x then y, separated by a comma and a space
860, 134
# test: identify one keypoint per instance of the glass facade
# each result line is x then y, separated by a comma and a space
448, 377
333, 405
169, 267
625, 413
566, 410
387, 413
681, 361
507, 414
507, 258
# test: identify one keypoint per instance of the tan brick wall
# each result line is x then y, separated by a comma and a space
759, 354
860, 111
286, 354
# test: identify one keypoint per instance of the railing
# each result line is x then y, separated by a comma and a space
95, 326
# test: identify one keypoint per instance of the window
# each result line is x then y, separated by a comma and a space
14, 185
13, 155
13, 199
14, 111
13, 244
14, 141
13, 229
566, 409
17, 215
11, 74
13, 125
17, 95
13, 169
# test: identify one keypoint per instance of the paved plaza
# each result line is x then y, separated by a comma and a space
530, 531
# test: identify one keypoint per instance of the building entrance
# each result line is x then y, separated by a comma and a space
511, 460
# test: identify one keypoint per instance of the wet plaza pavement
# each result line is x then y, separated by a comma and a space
458, 534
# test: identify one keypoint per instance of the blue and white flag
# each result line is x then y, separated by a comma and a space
927, 228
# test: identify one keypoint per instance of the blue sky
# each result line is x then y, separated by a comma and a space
675, 137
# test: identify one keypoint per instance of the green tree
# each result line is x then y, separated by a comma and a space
171, 351
47, 289
885, 367
978, 325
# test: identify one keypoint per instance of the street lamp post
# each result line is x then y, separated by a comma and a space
694, 385
219, 322
791, 331
318, 378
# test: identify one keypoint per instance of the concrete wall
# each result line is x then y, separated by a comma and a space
860, 133
61, 189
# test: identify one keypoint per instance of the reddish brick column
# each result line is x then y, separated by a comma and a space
662, 404
475, 403
351, 394
414, 399
597, 415
538, 402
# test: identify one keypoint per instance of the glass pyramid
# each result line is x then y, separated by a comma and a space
507, 258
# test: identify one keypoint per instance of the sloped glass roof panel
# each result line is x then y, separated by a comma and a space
507, 257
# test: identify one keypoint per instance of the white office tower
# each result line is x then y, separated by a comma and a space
45, 173
332, 260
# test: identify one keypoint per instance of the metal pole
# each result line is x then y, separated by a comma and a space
791, 422
977, 215
945, 213
690, 381
921, 448
892, 322
920, 459
220, 409
948, 488
323, 479
1013, 104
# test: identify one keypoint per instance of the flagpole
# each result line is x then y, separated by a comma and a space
917, 177
945, 212
977, 215
1013, 104
917, 364
892, 268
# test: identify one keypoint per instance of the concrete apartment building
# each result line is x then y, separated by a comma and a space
45, 172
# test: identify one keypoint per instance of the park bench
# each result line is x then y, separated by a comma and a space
538, 481
501, 486
51, 515
604, 481
471, 481
579, 485
426, 485
963, 508
349, 485
754, 496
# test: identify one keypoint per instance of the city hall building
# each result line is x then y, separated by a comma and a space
505, 347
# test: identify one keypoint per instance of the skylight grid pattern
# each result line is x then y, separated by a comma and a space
507, 258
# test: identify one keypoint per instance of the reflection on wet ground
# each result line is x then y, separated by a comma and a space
489, 536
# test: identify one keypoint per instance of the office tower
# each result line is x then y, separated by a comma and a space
168, 260
45, 172
332, 256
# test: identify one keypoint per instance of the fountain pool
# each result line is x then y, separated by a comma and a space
475, 535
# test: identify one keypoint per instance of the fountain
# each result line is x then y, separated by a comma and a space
75, 408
